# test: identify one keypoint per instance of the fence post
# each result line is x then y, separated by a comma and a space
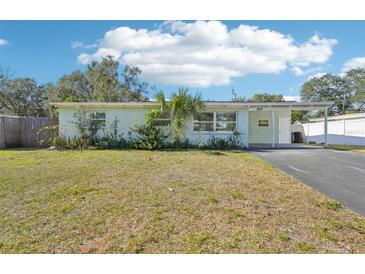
2, 132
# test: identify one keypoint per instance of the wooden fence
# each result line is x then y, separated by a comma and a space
16, 131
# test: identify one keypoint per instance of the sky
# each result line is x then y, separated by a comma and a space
209, 57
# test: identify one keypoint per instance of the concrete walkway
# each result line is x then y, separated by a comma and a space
339, 174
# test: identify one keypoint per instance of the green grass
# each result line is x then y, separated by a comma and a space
164, 202
348, 148
360, 149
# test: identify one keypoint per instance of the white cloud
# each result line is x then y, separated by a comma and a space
101, 52
357, 62
298, 71
292, 98
78, 44
3, 42
317, 75
206, 53
315, 51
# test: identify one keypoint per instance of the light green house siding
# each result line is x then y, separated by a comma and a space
263, 135
129, 116
246, 123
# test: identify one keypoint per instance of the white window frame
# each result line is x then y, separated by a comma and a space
93, 117
215, 123
164, 119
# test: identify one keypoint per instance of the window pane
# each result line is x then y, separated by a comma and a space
199, 126
225, 126
204, 116
263, 123
99, 115
163, 123
226, 116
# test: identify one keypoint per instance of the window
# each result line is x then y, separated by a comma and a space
204, 121
263, 123
99, 117
225, 121
164, 120
215, 121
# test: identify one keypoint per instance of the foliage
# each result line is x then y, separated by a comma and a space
346, 91
299, 115
112, 138
60, 142
87, 127
181, 106
133, 89
266, 97
22, 96
356, 80
101, 82
151, 117
74, 87
150, 136
232, 142
328, 87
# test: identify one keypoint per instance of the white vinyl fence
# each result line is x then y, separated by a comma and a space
342, 130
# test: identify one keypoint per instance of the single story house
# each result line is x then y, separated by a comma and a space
348, 129
257, 123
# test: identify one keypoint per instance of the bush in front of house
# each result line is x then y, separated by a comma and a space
150, 136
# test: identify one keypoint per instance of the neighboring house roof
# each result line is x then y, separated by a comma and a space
293, 105
340, 117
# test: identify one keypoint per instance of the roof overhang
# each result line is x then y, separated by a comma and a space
210, 104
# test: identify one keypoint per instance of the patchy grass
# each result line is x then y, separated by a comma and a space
330, 204
348, 148
164, 202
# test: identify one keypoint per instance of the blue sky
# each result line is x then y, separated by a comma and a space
275, 57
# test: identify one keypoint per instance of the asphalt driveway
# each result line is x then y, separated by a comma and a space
339, 174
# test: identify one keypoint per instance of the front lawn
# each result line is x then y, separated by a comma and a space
164, 202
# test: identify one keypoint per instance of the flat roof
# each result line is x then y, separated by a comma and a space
292, 104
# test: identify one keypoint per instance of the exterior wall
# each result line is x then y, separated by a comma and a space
130, 116
263, 135
127, 117
340, 132
246, 123
203, 137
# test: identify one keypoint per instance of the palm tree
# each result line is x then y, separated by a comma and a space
181, 106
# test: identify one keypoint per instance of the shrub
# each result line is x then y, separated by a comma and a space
86, 126
60, 142
150, 135
112, 138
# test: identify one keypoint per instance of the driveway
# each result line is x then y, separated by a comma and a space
339, 174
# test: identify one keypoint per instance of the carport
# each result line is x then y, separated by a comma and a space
270, 122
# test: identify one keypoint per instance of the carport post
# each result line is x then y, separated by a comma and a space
325, 127
273, 127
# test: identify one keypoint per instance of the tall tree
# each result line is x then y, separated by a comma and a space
103, 79
101, 82
180, 107
22, 96
329, 87
356, 82
266, 97
74, 87
133, 89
